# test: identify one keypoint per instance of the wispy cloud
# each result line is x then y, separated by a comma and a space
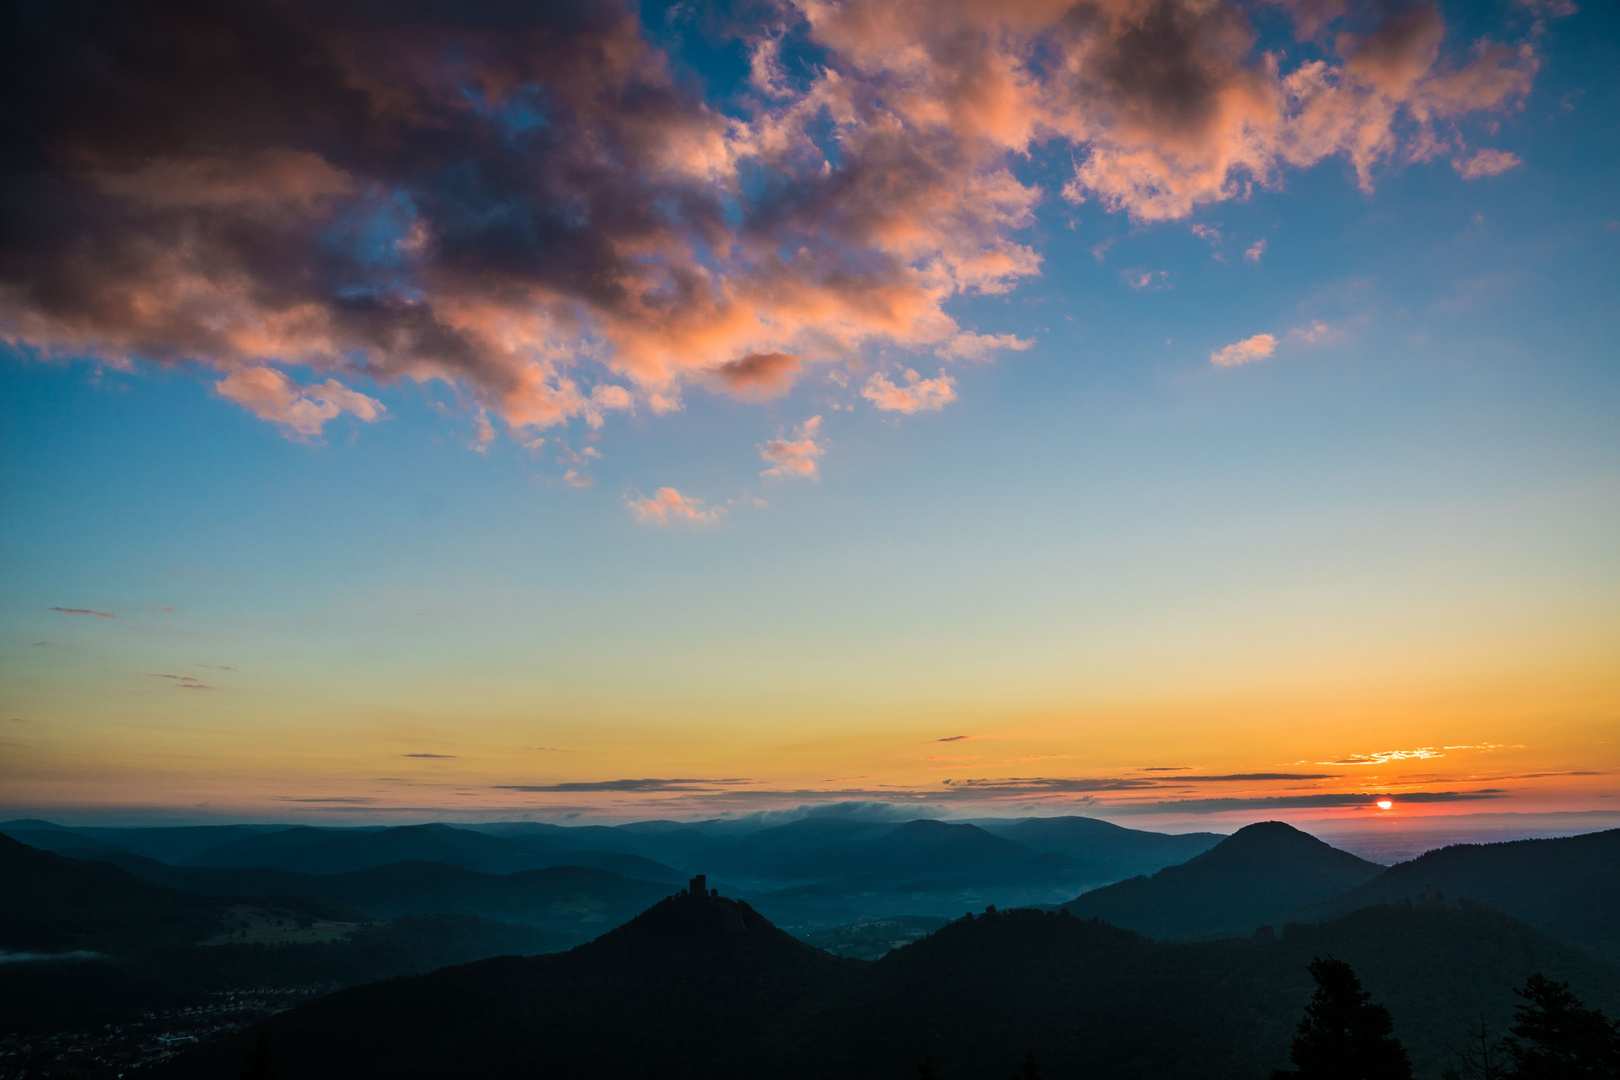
83, 611
667, 505
1485, 163
1301, 802
626, 785
184, 682
1254, 251
436, 756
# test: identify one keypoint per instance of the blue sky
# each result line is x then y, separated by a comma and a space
1398, 529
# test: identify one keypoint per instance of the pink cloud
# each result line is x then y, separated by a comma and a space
1246, 351
794, 457
301, 410
917, 395
1255, 250
667, 505
330, 223
1485, 162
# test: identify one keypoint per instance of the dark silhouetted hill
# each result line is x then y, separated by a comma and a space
1254, 877
689, 990
1569, 887
690, 980
91, 943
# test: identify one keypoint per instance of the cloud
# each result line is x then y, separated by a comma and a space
1020, 785
794, 457
1144, 280
301, 410
527, 200
760, 375
1254, 776
1164, 768
1246, 351
917, 395
573, 478
83, 611
624, 785
1385, 757
667, 504
952, 738
1485, 163
184, 682
428, 755
1255, 250
1315, 333
1299, 802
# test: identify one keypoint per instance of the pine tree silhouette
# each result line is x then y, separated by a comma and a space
260, 1065
1344, 1036
1030, 1069
1556, 1037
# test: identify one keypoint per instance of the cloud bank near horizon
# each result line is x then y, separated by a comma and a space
537, 204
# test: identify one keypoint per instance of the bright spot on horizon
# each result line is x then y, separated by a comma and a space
1385, 804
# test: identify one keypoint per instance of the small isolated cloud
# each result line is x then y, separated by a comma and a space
300, 410
1255, 250
433, 756
971, 346
759, 375
918, 395
678, 784
573, 479
794, 457
331, 800
1144, 280
184, 682
1485, 163
1208, 233
952, 738
1165, 768
83, 611
1246, 351
667, 504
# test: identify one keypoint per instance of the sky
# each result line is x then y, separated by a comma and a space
1181, 412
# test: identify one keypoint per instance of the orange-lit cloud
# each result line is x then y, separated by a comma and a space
794, 457
667, 505
376, 199
1485, 163
916, 395
304, 410
1246, 351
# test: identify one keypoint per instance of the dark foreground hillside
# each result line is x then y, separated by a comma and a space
703, 987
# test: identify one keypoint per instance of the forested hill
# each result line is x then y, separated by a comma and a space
1257, 876
697, 987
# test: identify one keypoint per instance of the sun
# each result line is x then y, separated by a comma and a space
1385, 804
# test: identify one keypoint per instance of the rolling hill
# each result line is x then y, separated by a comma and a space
1569, 887
705, 988
1256, 876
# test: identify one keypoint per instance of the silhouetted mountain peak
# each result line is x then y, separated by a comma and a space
700, 922
1271, 842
